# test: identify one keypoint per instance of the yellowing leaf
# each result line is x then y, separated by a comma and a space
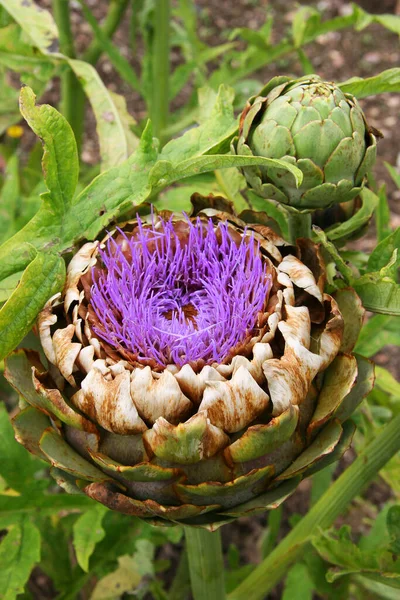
125, 579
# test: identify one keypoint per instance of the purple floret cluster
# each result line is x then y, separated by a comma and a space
174, 299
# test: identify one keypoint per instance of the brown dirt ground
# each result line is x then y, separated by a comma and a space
336, 56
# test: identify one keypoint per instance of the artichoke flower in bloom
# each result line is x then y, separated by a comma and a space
315, 126
194, 370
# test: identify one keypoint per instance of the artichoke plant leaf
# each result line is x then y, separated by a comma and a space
41, 28
383, 252
337, 548
19, 553
34, 503
87, 532
209, 137
43, 277
19, 469
60, 168
39, 23
60, 162
379, 294
113, 139
340, 232
164, 173
387, 81
379, 331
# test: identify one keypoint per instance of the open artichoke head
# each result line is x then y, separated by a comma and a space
194, 370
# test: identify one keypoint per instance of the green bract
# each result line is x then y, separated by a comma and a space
312, 124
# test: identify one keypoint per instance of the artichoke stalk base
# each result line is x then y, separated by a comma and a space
198, 444
315, 126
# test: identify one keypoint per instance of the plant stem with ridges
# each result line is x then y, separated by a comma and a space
322, 515
180, 587
160, 89
114, 16
206, 565
69, 82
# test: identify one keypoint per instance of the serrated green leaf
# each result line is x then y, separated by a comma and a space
387, 81
390, 22
87, 532
144, 557
60, 166
383, 252
55, 560
19, 553
13, 507
378, 332
337, 548
60, 160
218, 126
164, 172
43, 277
358, 220
19, 468
112, 193
303, 18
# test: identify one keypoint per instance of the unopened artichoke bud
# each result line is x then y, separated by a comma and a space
315, 126
194, 370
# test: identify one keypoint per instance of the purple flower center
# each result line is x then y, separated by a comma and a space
179, 292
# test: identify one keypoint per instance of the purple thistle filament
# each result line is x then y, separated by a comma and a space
174, 299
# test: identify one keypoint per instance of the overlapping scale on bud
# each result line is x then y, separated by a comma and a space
315, 126
196, 371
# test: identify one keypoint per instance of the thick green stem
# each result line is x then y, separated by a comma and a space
206, 565
115, 13
322, 515
180, 587
160, 56
299, 225
69, 82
